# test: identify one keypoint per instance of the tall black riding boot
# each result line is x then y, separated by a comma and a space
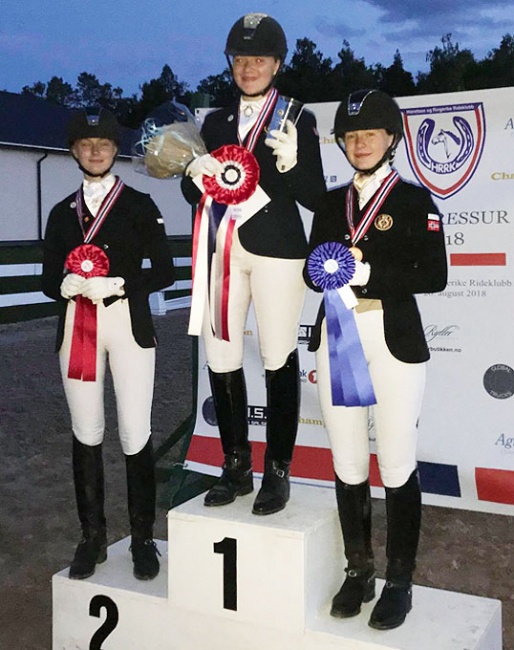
403, 506
88, 476
230, 402
354, 507
283, 410
141, 506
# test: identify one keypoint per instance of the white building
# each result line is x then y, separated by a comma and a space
36, 170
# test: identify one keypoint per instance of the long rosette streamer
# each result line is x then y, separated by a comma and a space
89, 261
331, 266
214, 228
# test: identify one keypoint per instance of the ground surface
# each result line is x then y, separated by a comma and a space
461, 551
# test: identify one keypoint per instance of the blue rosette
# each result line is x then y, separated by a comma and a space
331, 266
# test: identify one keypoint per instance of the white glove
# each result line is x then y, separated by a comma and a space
285, 146
72, 285
96, 289
205, 164
361, 275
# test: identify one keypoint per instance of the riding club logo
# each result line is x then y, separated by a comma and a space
444, 144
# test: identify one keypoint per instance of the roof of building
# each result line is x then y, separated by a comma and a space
29, 121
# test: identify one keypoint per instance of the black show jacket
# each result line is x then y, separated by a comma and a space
132, 231
276, 230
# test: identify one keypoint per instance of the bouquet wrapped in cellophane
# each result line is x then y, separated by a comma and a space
167, 141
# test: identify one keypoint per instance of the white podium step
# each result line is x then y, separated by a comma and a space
232, 581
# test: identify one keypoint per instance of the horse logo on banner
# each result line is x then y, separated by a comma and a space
444, 144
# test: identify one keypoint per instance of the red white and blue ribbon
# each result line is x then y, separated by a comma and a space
212, 236
89, 261
358, 232
105, 208
264, 115
331, 266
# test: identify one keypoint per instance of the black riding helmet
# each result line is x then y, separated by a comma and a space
93, 122
369, 109
256, 35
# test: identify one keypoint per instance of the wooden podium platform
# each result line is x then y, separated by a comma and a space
232, 581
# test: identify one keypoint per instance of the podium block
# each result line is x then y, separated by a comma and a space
256, 569
112, 610
230, 580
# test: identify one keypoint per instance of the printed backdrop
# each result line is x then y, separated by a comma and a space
461, 146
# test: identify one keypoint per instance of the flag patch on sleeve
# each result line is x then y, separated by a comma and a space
433, 222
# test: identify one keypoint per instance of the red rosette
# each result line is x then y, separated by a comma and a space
87, 260
239, 178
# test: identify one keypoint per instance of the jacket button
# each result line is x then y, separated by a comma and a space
105, 247
364, 290
365, 238
347, 237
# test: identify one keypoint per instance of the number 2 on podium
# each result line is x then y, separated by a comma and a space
111, 620
228, 548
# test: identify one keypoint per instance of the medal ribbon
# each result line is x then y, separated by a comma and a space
105, 208
251, 139
371, 212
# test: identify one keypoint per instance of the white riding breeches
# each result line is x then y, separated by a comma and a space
132, 369
277, 290
399, 391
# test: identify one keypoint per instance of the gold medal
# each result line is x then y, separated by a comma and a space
356, 252
383, 222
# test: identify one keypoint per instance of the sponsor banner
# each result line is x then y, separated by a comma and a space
461, 146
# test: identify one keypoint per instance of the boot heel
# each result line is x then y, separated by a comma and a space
392, 607
102, 556
369, 594
246, 486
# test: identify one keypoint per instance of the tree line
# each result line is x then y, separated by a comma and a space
309, 76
